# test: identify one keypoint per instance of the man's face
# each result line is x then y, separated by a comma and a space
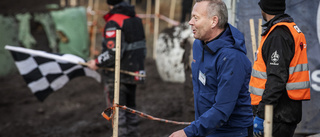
200, 23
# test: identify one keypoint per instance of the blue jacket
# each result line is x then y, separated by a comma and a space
220, 83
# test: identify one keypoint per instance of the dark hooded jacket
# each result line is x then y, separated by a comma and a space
220, 75
133, 46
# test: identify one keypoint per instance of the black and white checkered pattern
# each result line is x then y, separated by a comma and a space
44, 74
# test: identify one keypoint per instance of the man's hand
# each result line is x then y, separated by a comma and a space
92, 64
257, 127
179, 133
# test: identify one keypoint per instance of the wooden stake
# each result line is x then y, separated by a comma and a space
148, 12
117, 84
268, 121
133, 2
172, 9
63, 3
233, 14
94, 31
259, 31
156, 27
253, 38
73, 3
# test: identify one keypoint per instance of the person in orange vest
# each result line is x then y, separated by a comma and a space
280, 74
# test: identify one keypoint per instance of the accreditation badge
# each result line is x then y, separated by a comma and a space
202, 77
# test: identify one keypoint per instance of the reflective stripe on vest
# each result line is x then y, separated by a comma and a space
298, 84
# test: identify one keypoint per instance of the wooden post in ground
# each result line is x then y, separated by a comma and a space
133, 2
148, 12
172, 9
156, 27
117, 84
63, 3
73, 3
253, 38
259, 31
268, 121
90, 6
94, 31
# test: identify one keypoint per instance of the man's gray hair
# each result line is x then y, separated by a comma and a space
217, 8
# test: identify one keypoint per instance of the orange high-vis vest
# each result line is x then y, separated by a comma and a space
298, 84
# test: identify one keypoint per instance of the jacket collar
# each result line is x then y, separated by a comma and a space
277, 19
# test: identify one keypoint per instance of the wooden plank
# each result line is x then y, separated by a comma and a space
172, 9
268, 121
94, 31
259, 31
117, 84
133, 2
148, 12
253, 38
156, 27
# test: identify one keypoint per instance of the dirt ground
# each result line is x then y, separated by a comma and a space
75, 110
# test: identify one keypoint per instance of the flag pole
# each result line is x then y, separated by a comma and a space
253, 38
94, 31
117, 83
156, 27
172, 10
259, 31
267, 124
148, 12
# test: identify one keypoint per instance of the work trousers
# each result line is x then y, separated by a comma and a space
128, 122
283, 129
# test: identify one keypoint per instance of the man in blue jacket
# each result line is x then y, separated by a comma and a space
220, 75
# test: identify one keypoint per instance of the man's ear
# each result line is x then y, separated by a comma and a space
215, 21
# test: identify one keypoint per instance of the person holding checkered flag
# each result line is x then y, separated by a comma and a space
133, 52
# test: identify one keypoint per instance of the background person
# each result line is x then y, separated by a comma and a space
133, 51
280, 74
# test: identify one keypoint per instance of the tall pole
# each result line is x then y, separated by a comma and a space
268, 121
172, 9
148, 12
133, 2
63, 3
117, 84
156, 27
94, 31
253, 38
259, 31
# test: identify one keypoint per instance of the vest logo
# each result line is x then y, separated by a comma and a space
297, 28
275, 58
110, 44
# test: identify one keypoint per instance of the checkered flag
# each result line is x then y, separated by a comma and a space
45, 72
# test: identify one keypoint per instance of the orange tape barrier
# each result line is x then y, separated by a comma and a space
143, 115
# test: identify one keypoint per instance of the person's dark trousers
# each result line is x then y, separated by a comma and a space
250, 131
283, 129
128, 122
